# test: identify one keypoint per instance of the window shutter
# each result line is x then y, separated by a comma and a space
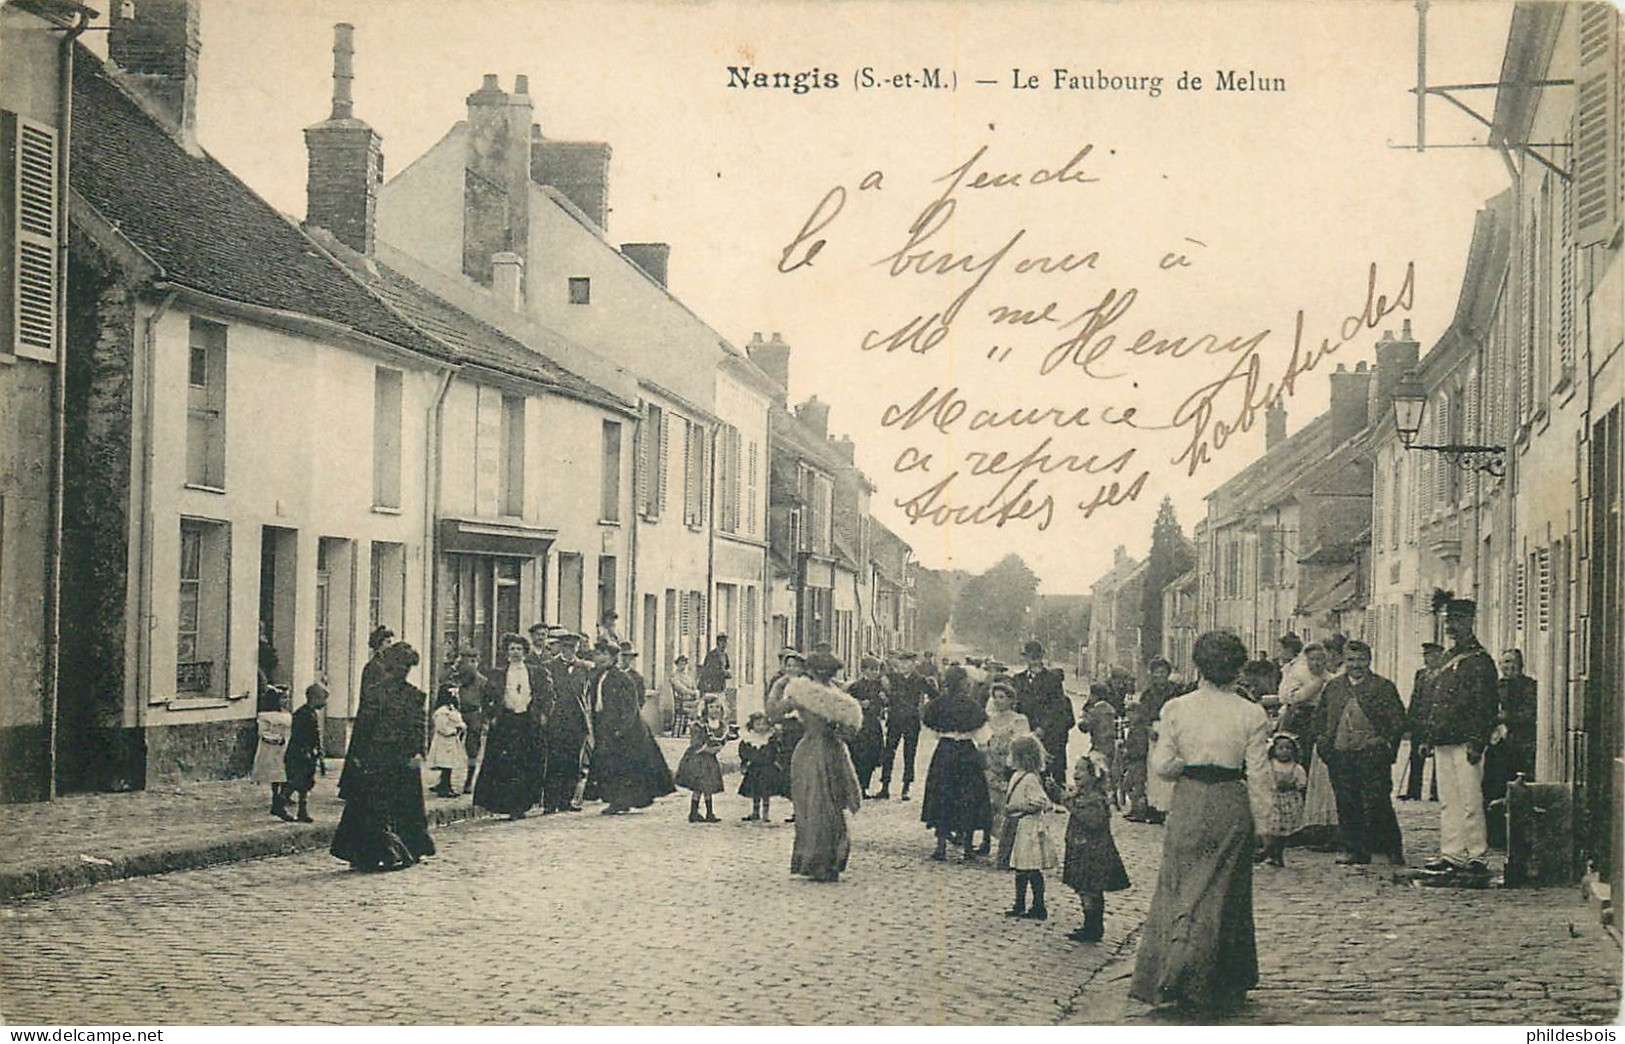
1379, 507
1469, 431
1526, 325
1543, 563
1441, 435
662, 453
30, 171
735, 464
750, 509
1596, 138
645, 460
1565, 267
1519, 597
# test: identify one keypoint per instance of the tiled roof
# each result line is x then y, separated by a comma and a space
204, 228
473, 341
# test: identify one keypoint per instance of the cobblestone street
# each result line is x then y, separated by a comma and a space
648, 918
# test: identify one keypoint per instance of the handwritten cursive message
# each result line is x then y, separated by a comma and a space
1119, 379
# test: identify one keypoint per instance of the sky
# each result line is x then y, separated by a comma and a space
847, 218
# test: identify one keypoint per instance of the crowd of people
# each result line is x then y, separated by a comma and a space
1250, 756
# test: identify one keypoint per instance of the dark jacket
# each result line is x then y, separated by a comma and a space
1465, 698
910, 696
954, 712
715, 672
1041, 697
1421, 708
541, 694
1378, 700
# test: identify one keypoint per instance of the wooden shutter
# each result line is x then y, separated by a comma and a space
645, 461
29, 170
1596, 132
663, 452
1565, 283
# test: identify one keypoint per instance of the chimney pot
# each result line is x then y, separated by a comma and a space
491, 83
1407, 333
521, 84
346, 160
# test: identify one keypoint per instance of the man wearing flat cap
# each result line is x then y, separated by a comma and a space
1458, 727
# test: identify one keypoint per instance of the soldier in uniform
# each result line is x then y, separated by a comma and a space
1042, 699
1462, 717
1416, 722
569, 728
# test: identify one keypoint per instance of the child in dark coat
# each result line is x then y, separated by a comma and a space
1092, 867
759, 755
699, 770
303, 757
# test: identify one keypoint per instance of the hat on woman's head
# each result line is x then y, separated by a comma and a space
1000, 685
379, 636
400, 656
823, 663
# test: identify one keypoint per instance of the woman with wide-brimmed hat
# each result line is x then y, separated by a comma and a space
823, 784
384, 826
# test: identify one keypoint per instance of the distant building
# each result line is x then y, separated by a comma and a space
1115, 616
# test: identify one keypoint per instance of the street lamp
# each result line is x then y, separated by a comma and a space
1410, 402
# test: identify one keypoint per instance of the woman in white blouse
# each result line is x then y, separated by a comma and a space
1199, 951
518, 699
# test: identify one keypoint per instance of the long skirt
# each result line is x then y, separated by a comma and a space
1320, 826
629, 770
510, 781
823, 786
1198, 949
956, 798
384, 825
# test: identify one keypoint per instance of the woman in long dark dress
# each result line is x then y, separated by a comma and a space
628, 770
1199, 949
956, 800
384, 826
1512, 744
518, 698
823, 785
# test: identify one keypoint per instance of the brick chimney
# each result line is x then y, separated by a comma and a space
1119, 555
496, 181
156, 42
653, 258
1351, 396
844, 446
1396, 356
815, 415
579, 169
346, 160
772, 358
1274, 424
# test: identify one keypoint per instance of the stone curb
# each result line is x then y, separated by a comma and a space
60, 875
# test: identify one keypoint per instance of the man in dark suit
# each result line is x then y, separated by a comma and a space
1363, 719
912, 693
569, 728
1041, 696
1416, 719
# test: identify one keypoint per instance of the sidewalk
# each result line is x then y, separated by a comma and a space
84, 839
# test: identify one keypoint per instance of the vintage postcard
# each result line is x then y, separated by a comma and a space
822, 513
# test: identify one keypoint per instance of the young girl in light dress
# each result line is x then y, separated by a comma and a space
1288, 783
1027, 843
274, 722
447, 747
